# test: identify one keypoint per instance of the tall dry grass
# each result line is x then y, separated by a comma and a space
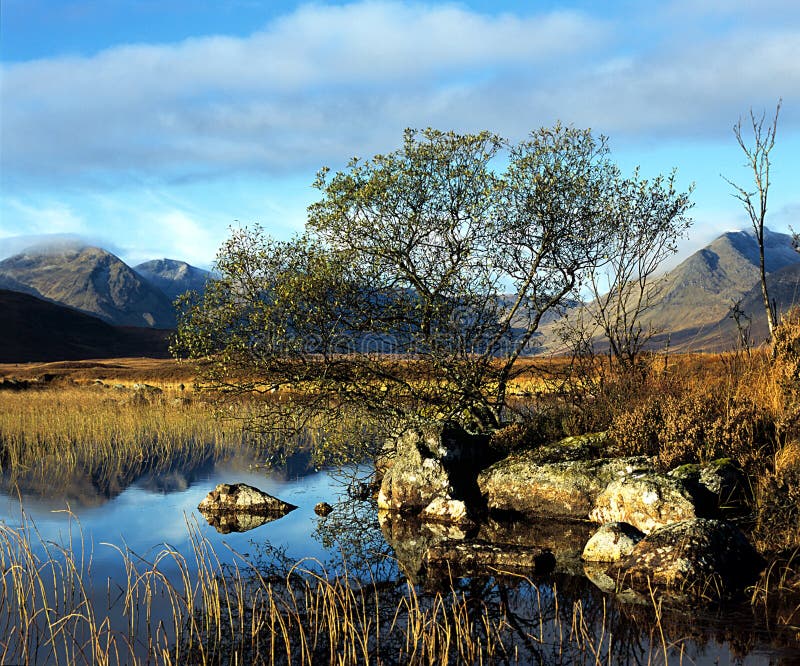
103, 428
180, 608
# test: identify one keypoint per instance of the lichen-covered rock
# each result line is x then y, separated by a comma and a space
446, 510
520, 483
701, 557
430, 462
241, 498
646, 501
575, 447
322, 509
612, 542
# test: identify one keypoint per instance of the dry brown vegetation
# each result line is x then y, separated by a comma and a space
164, 373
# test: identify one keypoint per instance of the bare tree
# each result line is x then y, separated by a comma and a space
650, 219
754, 200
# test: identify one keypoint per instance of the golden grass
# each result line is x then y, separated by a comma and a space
105, 429
191, 608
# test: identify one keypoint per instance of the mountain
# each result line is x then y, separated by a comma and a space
173, 277
91, 280
695, 300
697, 295
702, 289
36, 330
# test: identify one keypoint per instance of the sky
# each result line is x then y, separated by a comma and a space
151, 127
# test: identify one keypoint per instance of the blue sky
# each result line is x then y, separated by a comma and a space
152, 126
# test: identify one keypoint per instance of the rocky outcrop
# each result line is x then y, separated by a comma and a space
522, 484
432, 469
701, 557
612, 542
241, 498
646, 501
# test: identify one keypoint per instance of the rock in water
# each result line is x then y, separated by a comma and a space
322, 509
432, 469
646, 501
241, 498
520, 483
611, 543
701, 557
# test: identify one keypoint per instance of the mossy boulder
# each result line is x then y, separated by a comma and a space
522, 484
701, 557
647, 501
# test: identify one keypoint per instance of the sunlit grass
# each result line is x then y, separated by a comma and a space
178, 608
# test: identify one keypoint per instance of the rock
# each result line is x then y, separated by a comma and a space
446, 510
646, 501
322, 508
701, 557
147, 388
241, 498
436, 461
462, 557
716, 486
611, 543
521, 484
576, 447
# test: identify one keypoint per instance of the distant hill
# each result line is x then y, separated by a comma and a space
173, 277
91, 280
696, 297
701, 290
36, 330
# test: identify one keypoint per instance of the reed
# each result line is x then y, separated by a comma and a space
205, 609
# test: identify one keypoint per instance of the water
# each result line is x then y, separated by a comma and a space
141, 510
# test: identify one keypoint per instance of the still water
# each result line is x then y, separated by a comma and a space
141, 510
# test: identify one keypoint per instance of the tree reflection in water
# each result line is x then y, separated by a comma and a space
501, 617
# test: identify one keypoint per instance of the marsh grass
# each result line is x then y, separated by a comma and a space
206, 607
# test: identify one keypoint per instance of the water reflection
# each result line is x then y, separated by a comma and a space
557, 618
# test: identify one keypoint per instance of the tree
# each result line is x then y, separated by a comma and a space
755, 200
421, 279
650, 219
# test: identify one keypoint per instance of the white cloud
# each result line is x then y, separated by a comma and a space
223, 102
327, 82
20, 217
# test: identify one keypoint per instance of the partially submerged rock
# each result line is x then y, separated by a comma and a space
435, 462
520, 483
612, 542
322, 509
700, 557
241, 498
646, 501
